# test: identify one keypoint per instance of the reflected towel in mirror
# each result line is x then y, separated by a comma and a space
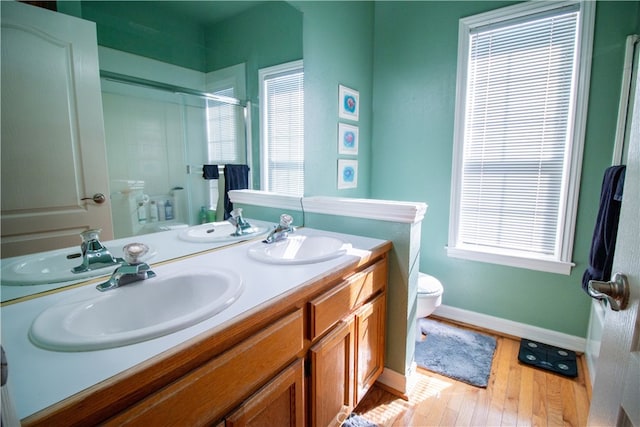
236, 177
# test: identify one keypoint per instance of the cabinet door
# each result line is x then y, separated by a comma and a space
53, 146
370, 331
332, 366
279, 403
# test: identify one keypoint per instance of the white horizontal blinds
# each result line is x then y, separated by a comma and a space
284, 119
224, 130
518, 122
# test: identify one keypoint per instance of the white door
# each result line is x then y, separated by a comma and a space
616, 389
53, 149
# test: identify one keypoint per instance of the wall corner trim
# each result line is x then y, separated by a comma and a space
383, 210
265, 199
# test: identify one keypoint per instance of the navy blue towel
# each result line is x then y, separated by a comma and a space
210, 172
603, 243
236, 177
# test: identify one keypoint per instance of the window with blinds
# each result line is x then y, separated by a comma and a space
225, 131
282, 128
517, 136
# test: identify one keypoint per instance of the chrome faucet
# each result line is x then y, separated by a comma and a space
132, 271
282, 230
94, 254
241, 224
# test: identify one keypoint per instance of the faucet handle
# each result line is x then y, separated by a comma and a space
235, 213
91, 240
286, 220
134, 251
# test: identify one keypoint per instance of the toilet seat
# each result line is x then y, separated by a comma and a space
429, 285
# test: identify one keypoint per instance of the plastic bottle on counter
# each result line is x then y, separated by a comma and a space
153, 211
161, 210
142, 213
168, 210
202, 216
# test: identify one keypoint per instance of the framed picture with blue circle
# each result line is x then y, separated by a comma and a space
347, 173
347, 139
348, 103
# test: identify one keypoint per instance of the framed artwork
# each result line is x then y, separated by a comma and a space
347, 139
348, 103
347, 173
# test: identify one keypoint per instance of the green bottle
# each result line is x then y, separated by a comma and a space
202, 216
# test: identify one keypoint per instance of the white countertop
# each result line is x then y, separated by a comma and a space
39, 378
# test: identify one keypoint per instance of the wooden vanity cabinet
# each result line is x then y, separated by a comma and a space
346, 361
304, 359
209, 392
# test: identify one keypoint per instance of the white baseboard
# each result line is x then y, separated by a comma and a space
510, 327
403, 384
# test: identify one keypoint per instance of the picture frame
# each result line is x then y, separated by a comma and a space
347, 173
348, 139
348, 103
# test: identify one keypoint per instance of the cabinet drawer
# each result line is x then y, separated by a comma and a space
333, 305
207, 393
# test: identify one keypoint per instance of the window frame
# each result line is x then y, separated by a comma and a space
264, 74
561, 261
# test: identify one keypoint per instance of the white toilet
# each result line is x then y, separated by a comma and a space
429, 298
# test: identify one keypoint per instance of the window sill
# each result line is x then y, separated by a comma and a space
546, 265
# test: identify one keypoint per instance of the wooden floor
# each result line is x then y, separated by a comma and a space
517, 395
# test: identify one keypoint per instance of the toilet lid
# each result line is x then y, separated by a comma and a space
428, 284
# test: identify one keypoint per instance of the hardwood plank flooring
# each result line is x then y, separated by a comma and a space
517, 395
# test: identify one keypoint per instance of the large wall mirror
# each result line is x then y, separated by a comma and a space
158, 140
158, 62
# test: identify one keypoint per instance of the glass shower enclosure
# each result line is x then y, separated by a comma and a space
158, 138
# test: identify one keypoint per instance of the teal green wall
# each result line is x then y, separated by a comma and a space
338, 49
415, 56
259, 43
147, 31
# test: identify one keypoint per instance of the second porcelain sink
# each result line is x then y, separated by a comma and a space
136, 312
217, 232
53, 267
299, 249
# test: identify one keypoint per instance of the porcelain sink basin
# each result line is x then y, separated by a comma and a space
53, 267
299, 249
217, 232
136, 312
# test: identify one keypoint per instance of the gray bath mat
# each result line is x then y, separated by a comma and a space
456, 353
355, 420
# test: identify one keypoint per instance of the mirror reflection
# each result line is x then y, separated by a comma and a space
179, 85
158, 141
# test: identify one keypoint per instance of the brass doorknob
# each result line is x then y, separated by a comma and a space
615, 292
97, 198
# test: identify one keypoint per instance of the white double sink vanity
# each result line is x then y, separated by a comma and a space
292, 330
